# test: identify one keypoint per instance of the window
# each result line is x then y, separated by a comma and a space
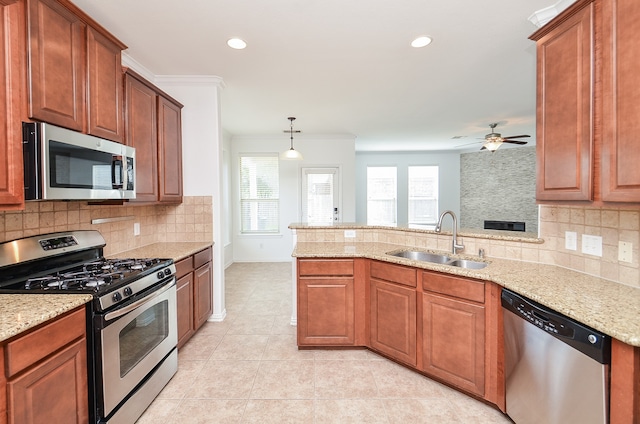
382, 195
423, 194
259, 194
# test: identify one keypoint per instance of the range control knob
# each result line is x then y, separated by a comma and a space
160, 274
117, 297
127, 291
167, 272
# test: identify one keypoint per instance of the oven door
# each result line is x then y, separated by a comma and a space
134, 339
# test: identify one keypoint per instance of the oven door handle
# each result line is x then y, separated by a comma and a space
109, 316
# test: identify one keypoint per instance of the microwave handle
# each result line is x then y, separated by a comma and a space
117, 172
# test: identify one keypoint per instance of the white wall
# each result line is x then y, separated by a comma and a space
449, 179
318, 151
202, 158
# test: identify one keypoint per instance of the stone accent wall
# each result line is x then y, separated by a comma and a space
191, 220
499, 186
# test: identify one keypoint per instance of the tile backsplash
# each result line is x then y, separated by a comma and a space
189, 221
612, 224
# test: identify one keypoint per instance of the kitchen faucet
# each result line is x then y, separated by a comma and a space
454, 239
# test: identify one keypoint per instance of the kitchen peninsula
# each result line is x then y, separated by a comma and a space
353, 260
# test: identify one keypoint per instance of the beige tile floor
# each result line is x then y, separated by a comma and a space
248, 369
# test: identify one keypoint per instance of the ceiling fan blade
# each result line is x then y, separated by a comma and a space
514, 141
516, 136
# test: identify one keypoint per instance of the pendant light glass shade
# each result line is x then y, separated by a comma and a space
291, 154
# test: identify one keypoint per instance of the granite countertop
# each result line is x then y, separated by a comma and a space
607, 306
21, 312
173, 250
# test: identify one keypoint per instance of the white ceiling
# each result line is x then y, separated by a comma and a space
346, 66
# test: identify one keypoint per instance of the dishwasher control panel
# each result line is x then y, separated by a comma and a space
540, 320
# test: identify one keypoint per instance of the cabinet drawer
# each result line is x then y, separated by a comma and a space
32, 347
184, 266
338, 267
453, 286
394, 273
202, 257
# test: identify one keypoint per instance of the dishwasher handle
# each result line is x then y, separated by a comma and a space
587, 340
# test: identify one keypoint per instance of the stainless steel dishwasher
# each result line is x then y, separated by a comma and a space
556, 369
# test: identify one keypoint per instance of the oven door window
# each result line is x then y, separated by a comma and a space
142, 335
73, 166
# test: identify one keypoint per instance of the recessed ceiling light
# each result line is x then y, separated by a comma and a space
236, 43
421, 41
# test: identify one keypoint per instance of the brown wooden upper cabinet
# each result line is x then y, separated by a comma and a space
564, 133
153, 126
620, 100
587, 104
11, 97
74, 70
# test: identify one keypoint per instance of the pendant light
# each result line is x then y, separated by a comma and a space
291, 154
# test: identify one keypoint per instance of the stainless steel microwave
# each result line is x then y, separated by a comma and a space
60, 164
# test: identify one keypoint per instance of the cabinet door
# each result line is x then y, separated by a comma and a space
453, 341
11, 48
203, 301
105, 87
393, 320
184, 304
141, 127
169, 151
54, 391
326, 311
620, 101
565, 108
56, 52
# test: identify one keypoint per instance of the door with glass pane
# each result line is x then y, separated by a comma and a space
320, 196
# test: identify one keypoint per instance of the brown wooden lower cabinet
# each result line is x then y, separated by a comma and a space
194, 293
453, 341
326, 302
46, 373
393, 311
184, 302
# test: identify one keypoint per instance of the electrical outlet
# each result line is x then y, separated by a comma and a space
570, 240
592, 245
349, 233
625, 251
136, 228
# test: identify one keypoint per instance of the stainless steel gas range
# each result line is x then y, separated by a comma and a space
131, 321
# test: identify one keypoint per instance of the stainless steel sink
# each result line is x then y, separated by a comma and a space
466, 263
417, 255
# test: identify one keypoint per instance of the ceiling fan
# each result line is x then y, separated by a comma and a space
493, 140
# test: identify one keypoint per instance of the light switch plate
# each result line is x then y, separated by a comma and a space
349, 233
592, 245
570, 240
136, 228
625, 251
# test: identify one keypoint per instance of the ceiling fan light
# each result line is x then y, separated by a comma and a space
492, 145
421, 41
